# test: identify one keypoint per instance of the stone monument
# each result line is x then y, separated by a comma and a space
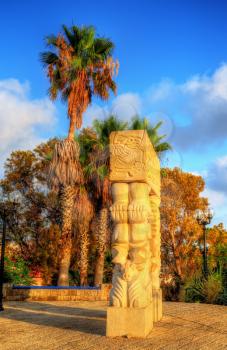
135, 298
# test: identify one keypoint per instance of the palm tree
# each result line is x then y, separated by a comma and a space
95, 159
138, 123
79, 66
103, 129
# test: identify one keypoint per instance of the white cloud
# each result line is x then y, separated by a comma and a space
21, 118
198, 106
218, 202
196, 173
216, 198
94, 112
217, 175
216, 191
222, 162
161, 91
194, 112
14, 86
124, 106
215, 85
203, 173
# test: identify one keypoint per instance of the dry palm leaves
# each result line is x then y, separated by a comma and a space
65, 169
79, 98
83, 208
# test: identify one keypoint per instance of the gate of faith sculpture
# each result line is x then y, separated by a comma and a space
135, 298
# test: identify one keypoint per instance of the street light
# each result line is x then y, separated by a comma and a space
204, 218
7, 211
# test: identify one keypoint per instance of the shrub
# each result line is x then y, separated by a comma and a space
222, 298
74, 278
17, 272
198, 289
193, 288
212, 288
171, 288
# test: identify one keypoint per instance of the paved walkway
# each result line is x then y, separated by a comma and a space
81, 326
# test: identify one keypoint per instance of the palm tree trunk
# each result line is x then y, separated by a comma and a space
66, 201
102, 231
63, 277
99, 269
71, 132
84, 249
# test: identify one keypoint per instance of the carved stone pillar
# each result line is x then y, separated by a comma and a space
135, 299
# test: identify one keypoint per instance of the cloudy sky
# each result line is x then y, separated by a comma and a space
173, 67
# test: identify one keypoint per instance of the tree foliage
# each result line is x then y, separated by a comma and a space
36, 231
36, 226
217, 246
17, 272
180, 231
156, 139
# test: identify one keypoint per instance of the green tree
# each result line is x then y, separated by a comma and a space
35, 231
217, 247
79, 67
17, 272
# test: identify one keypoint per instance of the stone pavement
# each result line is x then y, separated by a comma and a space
81, 326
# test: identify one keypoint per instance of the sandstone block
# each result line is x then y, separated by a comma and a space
130, 322
133, 159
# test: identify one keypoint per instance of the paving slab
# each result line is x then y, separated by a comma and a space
62, 325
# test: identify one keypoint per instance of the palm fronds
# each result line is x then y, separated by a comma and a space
139, 123
79, 67
103, 128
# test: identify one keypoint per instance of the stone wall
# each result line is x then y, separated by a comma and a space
102, 294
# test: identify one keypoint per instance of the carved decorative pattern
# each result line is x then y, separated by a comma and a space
133, 159
135, 176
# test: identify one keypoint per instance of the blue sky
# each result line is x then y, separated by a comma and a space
173, 66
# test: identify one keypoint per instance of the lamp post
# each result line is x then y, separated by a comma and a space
204, 218
7, 211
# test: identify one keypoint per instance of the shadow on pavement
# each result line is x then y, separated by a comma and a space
59, 316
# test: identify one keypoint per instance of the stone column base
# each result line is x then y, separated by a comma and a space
134, 322
157, 304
